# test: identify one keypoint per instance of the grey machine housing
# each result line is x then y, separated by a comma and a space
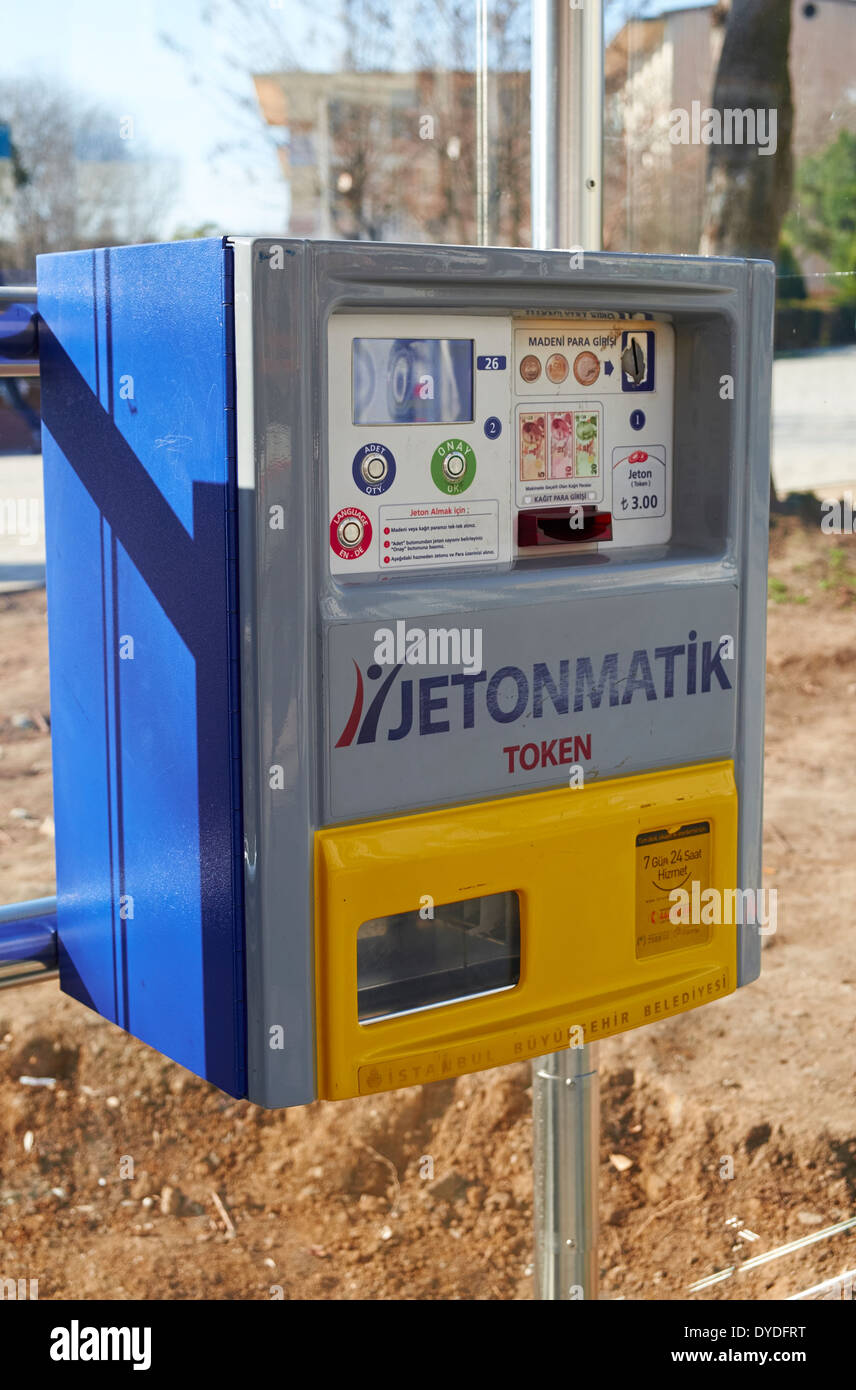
303, 628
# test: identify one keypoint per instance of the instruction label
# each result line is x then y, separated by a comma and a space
666, 860
439, 533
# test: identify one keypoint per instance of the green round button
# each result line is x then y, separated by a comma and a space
453, 466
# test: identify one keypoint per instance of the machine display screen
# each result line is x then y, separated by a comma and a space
412, 381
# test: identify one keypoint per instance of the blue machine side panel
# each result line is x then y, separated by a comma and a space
138, 429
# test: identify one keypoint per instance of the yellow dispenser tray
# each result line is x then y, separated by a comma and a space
469, 937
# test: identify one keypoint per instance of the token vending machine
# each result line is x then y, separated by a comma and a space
407, 617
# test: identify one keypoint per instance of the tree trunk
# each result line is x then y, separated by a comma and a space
748, 193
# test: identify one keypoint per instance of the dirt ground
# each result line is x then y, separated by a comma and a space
426, 1193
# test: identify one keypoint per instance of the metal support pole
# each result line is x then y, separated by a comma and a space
482, 147
567, 143
544, 103
565, 1117
567, 124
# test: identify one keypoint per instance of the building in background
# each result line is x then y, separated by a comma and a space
654, 190
392, 155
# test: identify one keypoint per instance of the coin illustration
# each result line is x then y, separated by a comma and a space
557, 367
530, 368
586, 368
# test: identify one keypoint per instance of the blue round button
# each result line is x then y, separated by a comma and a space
493, 427
637, 419
373, 469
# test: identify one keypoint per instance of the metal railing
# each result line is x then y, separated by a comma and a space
28, 942
19, 331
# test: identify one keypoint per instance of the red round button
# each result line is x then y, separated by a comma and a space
350, 533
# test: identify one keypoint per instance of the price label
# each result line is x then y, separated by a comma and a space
639, 482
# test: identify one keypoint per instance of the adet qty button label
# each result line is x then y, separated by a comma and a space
350, 533
373, 469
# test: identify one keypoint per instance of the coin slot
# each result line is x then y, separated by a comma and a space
633, 361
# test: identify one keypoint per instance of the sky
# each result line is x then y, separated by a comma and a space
114, 52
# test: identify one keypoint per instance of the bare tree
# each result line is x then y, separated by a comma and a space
447, 57
252, 37
367, 161
390, 122
78, 182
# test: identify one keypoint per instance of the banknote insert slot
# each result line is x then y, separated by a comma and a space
410, 961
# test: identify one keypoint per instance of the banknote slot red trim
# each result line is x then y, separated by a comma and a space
552, 526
